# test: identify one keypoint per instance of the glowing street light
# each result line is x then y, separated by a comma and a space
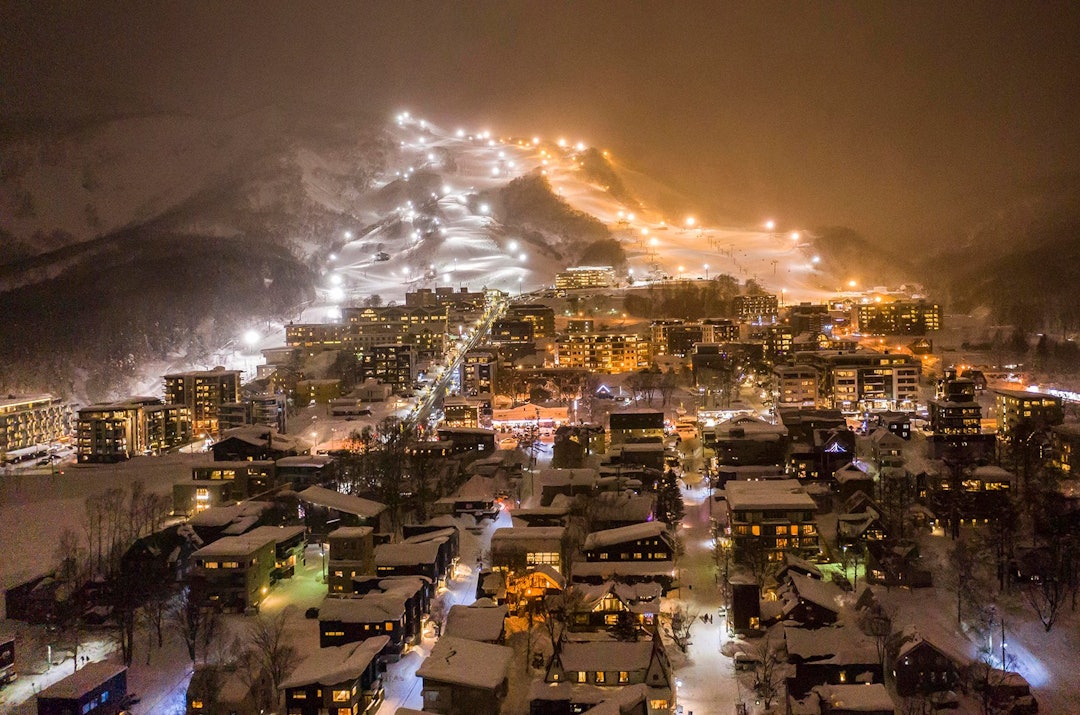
851, 284
348, 235
690, 221
252, 338
706, 271
770, 225
794, 235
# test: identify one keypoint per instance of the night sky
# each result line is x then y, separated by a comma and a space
908, 122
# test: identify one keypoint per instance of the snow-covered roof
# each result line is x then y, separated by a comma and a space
625, 506
882, 436
822, 593
791, 561
617, 697
778, 494
331, 666
408, 554
839, 645
218, 516
314, 461
545, 534
350, 532
565, 477
750, 428
475, 622
82, 681
256, 436
849, 472
345, 503
458, 661
606, 655
478, 487
623, 534
236, 545
369, 608
857, 698
439, 535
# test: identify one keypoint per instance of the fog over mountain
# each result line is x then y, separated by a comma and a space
918, 123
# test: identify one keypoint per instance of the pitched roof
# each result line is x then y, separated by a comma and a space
821, 593
330, 666
464, 662
345, 503
606, 655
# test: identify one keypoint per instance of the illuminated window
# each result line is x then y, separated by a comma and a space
599, 677
624, 677
210, 564
581, 676
340, 696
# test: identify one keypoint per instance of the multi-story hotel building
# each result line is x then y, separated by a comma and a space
31, 421
868, 380
585, 277
795, 385
117, 431
602, 352
774, 516
478, 371
1016, 408
898, 317
541, 316
759, 308
315, 337
955, 413
423, 327
203, 392
390, 364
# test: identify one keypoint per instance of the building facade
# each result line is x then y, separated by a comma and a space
32, 421
602, 352
203, 392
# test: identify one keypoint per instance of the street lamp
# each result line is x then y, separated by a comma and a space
706, 271
770, 225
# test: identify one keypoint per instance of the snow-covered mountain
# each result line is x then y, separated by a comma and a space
161, 237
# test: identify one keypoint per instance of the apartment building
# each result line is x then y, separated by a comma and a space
116, 431
203, 392
898, 317
602, 352
32, 420
773, 516
795, 385
585, 277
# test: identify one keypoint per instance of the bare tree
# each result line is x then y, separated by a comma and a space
876, 622
188, 618
770, 672
680, 623
1045, 597
274, 654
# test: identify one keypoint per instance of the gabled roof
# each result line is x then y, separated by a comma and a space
345, 503
821, 593
458, 661
850, 472
839, 645
606, 655
331, 666
882, 436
